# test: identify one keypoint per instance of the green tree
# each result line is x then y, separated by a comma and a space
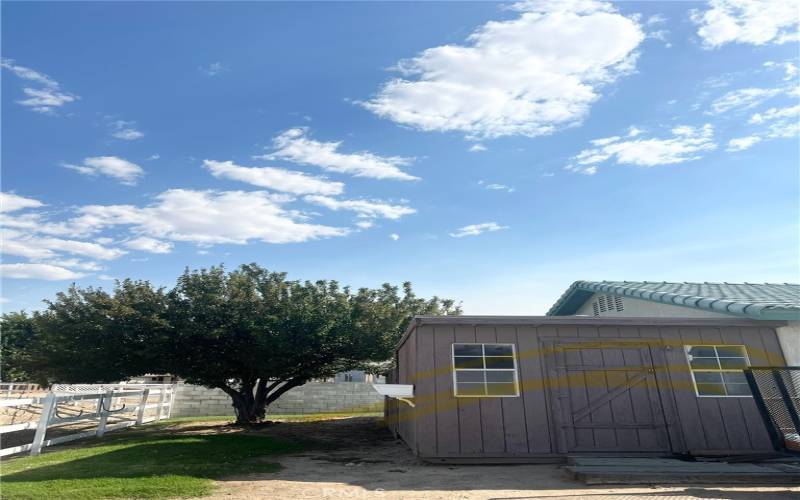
255, 335
249, 332
18, 340
89, 335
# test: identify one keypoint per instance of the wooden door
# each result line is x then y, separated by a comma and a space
605, 399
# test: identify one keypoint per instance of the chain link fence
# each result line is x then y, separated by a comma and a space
777, 393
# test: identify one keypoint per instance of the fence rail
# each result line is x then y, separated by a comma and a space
128, 403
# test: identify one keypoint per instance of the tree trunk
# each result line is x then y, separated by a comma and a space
244, 404
250, 401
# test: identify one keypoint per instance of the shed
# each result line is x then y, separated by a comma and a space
527, 389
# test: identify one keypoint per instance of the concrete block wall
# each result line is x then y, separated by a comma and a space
313, 397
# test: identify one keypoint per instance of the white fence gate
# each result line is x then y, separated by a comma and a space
126, 404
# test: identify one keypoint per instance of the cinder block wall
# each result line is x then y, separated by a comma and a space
313, 397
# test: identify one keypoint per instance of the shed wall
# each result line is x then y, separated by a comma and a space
442, 426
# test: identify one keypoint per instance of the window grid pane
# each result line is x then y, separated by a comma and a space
720, 375
496, 366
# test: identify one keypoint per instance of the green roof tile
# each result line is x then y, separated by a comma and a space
775, 301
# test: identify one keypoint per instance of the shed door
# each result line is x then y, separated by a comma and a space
605, 398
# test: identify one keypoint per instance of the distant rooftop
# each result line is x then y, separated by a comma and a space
780, 301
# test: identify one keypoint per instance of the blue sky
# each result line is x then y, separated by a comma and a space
488, 152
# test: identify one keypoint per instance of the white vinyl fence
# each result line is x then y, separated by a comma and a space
125, 405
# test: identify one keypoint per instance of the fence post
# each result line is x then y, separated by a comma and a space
142, 406
161, 394
44, 419
172, 390
105, 405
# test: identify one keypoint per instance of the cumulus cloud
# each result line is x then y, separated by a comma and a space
477, 148
686, 144
46, 97
527, 76
742, 143
755, 22
126, 131
150, 245
288, 181
394, 236
37, 247
295, 146
10, 202
209, 217
364, 208
476, 229
124, 171
38, 271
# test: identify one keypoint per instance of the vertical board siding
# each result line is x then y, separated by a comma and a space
425, 392
533, 386
406, 417
713, 424
514, 425
445, 426
492, 425
768, 354
469, 409
731, 408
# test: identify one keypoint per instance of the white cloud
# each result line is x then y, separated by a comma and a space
209, 217
151, 245
742, 99
394, 236
43, 99
295, 146
686, 144
775, 114
154, 157
37, 247
755, 22
527, 76
83, 265
476, 229
499, 187
10, 202
790, 69
213, 69
106, 277
279, 179
633, 131
126, 172
742, 143
38, 271
364, 208
126, 131
365, 224
477, 148
783, 129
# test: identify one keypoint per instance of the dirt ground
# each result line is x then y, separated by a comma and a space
358, 458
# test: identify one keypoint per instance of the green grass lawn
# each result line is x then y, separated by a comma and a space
140, 463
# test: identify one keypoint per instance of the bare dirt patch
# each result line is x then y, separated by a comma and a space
358, 458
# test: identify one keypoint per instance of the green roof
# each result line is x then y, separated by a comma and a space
775, 301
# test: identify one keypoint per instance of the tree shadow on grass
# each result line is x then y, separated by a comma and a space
201, 456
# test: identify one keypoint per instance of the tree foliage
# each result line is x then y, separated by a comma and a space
250, 332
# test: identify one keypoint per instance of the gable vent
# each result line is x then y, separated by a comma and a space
606, 303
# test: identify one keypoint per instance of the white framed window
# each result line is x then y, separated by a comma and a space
717, 370
485, 371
